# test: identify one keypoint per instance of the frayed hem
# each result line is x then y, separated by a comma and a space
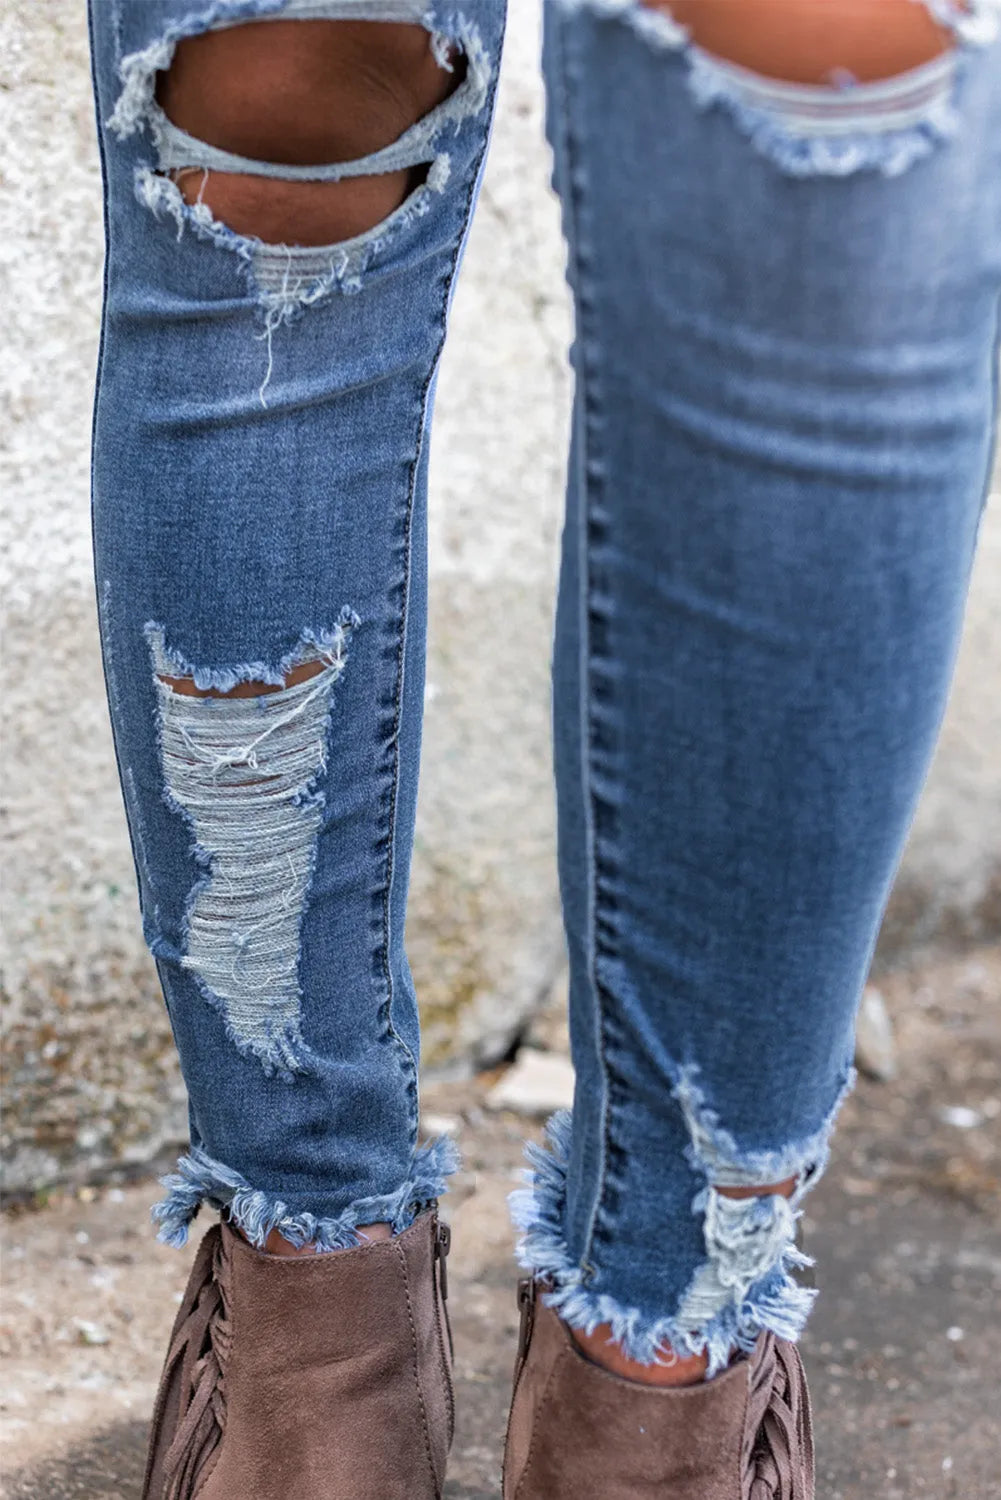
720, 1312
201, 1179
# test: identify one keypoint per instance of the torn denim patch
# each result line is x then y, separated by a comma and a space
243, 772
286, 279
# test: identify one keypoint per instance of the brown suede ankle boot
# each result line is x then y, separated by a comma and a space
327, 1376
576, 1430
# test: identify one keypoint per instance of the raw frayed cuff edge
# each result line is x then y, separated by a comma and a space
200, 1179
775, 1302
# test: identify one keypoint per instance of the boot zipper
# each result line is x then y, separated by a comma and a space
442, 1245
526, 1301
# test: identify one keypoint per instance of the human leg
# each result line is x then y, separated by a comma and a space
786, 302
260, 467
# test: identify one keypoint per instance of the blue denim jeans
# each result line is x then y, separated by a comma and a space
786, 333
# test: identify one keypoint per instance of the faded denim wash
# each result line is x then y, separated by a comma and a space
786, 338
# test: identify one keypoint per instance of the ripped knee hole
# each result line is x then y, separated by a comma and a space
303, 94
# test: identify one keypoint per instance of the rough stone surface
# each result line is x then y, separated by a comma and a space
902, 1349
91, 1079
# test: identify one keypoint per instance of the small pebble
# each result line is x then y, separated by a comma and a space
961, 1116
91, 1333
536, 1084
875, 1046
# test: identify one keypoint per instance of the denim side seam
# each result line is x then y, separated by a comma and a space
586, 376
745, 1285
837, 130
448, 281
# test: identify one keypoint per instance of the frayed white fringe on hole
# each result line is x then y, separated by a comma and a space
243, 774
744, 1287
798, 144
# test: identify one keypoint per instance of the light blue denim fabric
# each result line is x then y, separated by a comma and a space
260, 488
787, 315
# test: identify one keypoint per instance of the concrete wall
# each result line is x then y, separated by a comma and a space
91, 1078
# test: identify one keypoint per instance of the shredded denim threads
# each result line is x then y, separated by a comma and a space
200, 1179
890, 150
744, 1286
713, 1151
242, 772
286, 280
747, 1238
798, 143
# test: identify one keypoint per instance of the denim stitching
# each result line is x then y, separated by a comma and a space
447, 280
572, 201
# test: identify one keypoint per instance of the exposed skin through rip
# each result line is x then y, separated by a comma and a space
303, 93
187, 688
808, 41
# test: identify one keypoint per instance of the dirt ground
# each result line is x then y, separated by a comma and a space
902, 1351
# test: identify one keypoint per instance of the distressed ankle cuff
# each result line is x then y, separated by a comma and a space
200, 1179
745, 1285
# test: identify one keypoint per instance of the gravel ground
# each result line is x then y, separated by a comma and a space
901, 1351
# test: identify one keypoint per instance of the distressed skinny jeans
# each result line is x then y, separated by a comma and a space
786, 335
